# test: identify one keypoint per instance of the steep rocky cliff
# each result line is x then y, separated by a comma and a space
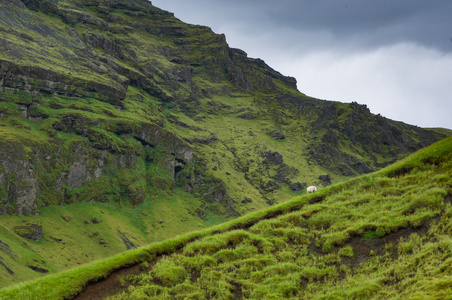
90, 87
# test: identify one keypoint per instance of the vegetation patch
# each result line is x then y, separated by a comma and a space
341, 247
121, 126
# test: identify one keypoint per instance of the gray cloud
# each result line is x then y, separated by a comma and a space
394, 56
372, 22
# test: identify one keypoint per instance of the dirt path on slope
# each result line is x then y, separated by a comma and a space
108, 286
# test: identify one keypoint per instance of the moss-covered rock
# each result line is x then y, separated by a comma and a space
29, 231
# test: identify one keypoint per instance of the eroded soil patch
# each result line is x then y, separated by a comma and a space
109, 286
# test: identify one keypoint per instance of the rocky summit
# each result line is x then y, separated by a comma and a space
118, 111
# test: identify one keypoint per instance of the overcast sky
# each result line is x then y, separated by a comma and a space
393, 55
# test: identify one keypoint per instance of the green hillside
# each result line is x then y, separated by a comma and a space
378, 236
121, 126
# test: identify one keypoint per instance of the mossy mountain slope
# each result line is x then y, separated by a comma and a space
116, 107
386, 235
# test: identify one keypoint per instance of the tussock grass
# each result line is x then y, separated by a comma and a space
351, 240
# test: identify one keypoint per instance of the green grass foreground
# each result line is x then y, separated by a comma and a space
383, 235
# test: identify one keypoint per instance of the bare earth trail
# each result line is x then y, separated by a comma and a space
109, 286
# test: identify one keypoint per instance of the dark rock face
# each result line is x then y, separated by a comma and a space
246, 200
247, 116
326, 180
36, 80
19, 180
273, 157
297, 186
368, 133
13, 2
127, 239
205, 141
38, 269
275, 133
270, 186
25, 184
276, 173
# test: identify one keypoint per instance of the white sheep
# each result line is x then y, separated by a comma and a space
311, 189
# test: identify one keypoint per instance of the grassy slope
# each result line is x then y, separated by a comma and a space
383, 235
43, 40
83, 232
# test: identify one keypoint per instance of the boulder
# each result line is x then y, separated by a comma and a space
297, 186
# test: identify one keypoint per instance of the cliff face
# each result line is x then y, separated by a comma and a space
56, 171
114, 101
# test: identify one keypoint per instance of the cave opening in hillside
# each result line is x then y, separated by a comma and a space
177, 169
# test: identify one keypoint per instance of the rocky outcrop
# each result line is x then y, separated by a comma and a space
297, 186
240, 68
372, 138
52, 175
39, 81
18, 181
13, 2
275, 133
273, 158
326, 180
271, 174
29, 231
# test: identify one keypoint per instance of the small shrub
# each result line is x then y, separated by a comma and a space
346, 252
286, 256
391, 191
408, 247
370, 235
225, 255
282, 269
297, 235
327, 247
258, 262
129, 280
147, 291
380, 232
215, 285
212, 244
185, 290
313, 273
197, 263
168, 273
144, 266
364, 290
345, 269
